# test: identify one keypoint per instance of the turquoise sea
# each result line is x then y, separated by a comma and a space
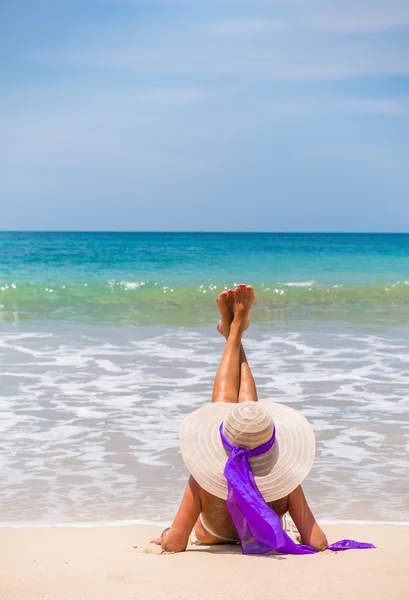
108, 339
171, 278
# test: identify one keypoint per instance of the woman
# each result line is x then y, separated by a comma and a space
261, 483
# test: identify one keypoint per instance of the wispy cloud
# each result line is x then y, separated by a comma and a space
246, 27
92, 149
298, 43
96, 130
299, 109
175, 2
325, 15
281, 61
361, 16
130, 96
398, 107
203, 2
328, 15
170, 96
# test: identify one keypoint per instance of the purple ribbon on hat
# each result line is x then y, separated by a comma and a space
258, 526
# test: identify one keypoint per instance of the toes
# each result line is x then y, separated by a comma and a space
244, 293
222, 296
240, 291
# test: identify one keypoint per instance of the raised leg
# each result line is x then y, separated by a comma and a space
247, 388
233, 379
228, 380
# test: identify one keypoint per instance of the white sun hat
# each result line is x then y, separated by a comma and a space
248, 424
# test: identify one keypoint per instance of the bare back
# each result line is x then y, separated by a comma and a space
215, 523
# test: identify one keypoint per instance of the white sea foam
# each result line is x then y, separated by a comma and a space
90, 419
135, 522
299, 283
132, 285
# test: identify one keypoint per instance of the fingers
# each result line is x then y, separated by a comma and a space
157, 541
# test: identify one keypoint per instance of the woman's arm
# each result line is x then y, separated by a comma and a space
176, 538
311, 533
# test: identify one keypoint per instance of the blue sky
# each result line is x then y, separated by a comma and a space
204, 115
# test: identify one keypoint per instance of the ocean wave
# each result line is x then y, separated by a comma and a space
299, 283
91, 417
143, 301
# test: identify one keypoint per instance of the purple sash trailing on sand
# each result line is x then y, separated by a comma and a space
257, 524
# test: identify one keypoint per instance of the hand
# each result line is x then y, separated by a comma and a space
158, 540
171, 541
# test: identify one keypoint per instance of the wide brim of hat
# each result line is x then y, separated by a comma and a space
205, 457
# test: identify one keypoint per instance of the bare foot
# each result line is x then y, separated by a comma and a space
243, 301
225, 304
230, 302
223, 326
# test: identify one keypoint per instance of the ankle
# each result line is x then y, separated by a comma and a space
237, 328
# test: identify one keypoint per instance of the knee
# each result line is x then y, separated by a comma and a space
222, 397
247, 398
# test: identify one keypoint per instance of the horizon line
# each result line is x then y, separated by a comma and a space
188, 231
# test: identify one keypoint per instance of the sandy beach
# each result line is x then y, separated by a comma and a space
104, 564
